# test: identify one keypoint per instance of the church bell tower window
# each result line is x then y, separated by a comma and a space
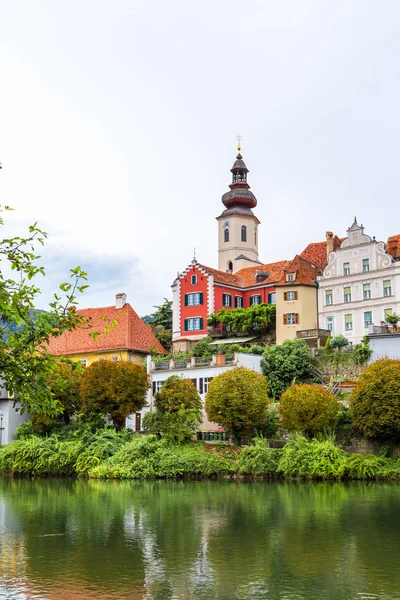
226, 235
244, 233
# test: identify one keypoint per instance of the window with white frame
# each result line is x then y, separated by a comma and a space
346, 268
387, 287
291, 295
227, 300
238, 302
194, 279
347, 294
290, 277
157, 385
365, 265
329, 321
291, 318
84, 362
204, 383
255, 300
194, 299
366, 291
348, 322
328, 298
367, 318
194, 324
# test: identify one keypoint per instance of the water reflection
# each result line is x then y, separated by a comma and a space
77, 539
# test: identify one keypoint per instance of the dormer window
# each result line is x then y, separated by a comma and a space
290, 276
194, 279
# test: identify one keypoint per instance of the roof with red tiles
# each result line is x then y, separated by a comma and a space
316, 251
393, 246
274, 270
129, 333
222, 277
305, 272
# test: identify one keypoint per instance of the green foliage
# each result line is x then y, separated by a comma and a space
177, 393
115, 389
375, 402
270, 427
286, 364
339, 341
393, 319
258, 319
178, 426
362, 466
362, 352
259, 459
311, 459
164, 337
238, 400
308, 408
98, 447
24, 330
24, 431
162, 316
204, 347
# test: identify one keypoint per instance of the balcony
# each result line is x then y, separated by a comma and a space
314, 337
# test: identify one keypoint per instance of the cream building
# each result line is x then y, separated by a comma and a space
359, 286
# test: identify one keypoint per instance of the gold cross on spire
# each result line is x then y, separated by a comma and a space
239, 139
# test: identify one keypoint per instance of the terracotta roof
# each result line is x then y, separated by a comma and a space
306, 272
316, 251
248, 274
222, 277
393, 246
130, 333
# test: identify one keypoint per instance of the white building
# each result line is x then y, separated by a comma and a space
201, 371
359, 286
10, 417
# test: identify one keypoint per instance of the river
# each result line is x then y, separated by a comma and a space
79, 539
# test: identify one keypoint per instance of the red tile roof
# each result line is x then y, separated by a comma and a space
222, 277
393, 245
275, 270
305, 271
316, 251
130, 333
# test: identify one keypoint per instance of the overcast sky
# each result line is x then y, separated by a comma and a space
118, 123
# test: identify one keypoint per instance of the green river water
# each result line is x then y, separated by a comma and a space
78, 539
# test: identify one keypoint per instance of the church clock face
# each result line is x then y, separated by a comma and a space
227, 224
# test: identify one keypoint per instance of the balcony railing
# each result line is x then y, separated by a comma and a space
193, 362
382, 329
313, 333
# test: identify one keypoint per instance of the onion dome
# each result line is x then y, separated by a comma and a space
240, 195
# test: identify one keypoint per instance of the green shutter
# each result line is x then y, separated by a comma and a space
201, 298
186, 299
201, 323
186, 325
259, 299
348, 318
229, 300
347, 290
367, 287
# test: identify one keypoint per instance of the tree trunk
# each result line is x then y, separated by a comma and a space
67, 418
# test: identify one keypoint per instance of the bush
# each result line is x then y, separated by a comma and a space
375, 402
339, 341
308, 408
177, 394
204, 347
312, 459
286, 364
259, 459
238, 400
178, 426
98, 447
270, 427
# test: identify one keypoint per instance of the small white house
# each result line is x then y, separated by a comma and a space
384, 342
10, 417
200, 371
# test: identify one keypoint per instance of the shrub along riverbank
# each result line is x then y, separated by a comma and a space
110, 455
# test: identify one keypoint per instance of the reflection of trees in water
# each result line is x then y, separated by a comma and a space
161, 540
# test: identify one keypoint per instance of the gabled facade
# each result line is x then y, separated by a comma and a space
360, 285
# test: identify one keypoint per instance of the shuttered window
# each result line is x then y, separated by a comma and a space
291, 318
227, 300
255, 300
291, 295
194, 299
194, 324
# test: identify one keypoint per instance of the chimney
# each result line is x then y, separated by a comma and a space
329, 243
120, 300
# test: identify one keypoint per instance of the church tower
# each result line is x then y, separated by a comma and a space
237, 224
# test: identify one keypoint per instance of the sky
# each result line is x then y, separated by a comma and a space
118, 123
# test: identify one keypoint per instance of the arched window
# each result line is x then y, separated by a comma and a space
230, 267
226, 235
244, 233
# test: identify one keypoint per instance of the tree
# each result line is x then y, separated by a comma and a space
204, 347
286, 364
64, 382
308, 408
375, 401
238, 400
116, 389
339, 341
24, 330
176, 394
162, 316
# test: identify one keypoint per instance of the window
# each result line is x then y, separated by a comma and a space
367, 318
255, 300
365, 265
230, 267
388, 312
84, 362
194, 279
226, 235
204, 383
195, 324
238, 302
157, 385
348, 322
194, 299
328, 298
114, 358
290, 295
329, 324
194, 381
347, 294
346, 268
366, 291
290, 277
290, 319
272, 298
227, 300
138, 422
244, 233
387, 288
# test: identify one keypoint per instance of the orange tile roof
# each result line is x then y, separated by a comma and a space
393, 245
130, 333
222, 277
316, 251
306, 272
275, 270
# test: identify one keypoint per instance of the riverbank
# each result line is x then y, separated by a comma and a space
106, 454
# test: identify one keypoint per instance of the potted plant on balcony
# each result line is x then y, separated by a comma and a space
393, 320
